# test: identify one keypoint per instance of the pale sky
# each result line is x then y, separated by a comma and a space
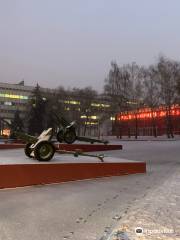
72, 42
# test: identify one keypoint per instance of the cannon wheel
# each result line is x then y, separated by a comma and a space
44, 151
70, 136
60, 136
28, 150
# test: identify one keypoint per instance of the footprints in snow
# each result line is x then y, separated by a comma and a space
68, 236
100, 206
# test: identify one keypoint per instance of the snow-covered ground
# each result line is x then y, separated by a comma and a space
156, 216
96, 209
17, 156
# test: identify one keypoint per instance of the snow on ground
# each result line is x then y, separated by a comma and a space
92, 210
17, 156
156, 216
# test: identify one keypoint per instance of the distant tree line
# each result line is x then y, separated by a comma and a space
128, 88
131, 87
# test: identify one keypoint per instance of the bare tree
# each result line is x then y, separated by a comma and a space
55, 106
168, 74
136, 100
178, 82
138, 103
118, 88
151, 93
36, 112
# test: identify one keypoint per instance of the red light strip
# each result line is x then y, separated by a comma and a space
144, 114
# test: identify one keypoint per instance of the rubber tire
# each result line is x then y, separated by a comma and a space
38, 149
60, 136
72, 138
28, 150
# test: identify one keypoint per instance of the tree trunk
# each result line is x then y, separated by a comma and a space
154, 124
99, 131
85, 125
120, 130
136, 127
85, 128
129, 132
170, 123
117, 127
154, 130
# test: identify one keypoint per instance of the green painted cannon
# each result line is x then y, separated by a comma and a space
67, 132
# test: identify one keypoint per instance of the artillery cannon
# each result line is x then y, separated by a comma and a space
43, 148
67, 132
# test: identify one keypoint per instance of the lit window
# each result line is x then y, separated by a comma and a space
72, 102
91, 123
8, 103
100, 105
83, 116
6, 95
90, 117
93, 117
5, 132
112, 118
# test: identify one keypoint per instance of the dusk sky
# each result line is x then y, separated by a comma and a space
72, 42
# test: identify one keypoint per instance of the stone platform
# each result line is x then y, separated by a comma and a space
18, 171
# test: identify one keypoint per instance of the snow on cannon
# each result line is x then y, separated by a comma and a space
40, 148
43, 148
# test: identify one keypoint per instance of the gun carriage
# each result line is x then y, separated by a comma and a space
43, 147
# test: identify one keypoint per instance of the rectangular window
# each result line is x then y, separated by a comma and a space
8, 103
13, 96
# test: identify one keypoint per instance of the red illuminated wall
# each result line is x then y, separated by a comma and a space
144, 118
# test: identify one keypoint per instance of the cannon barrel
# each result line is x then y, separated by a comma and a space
25, 137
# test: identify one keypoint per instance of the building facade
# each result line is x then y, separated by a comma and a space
15, 97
